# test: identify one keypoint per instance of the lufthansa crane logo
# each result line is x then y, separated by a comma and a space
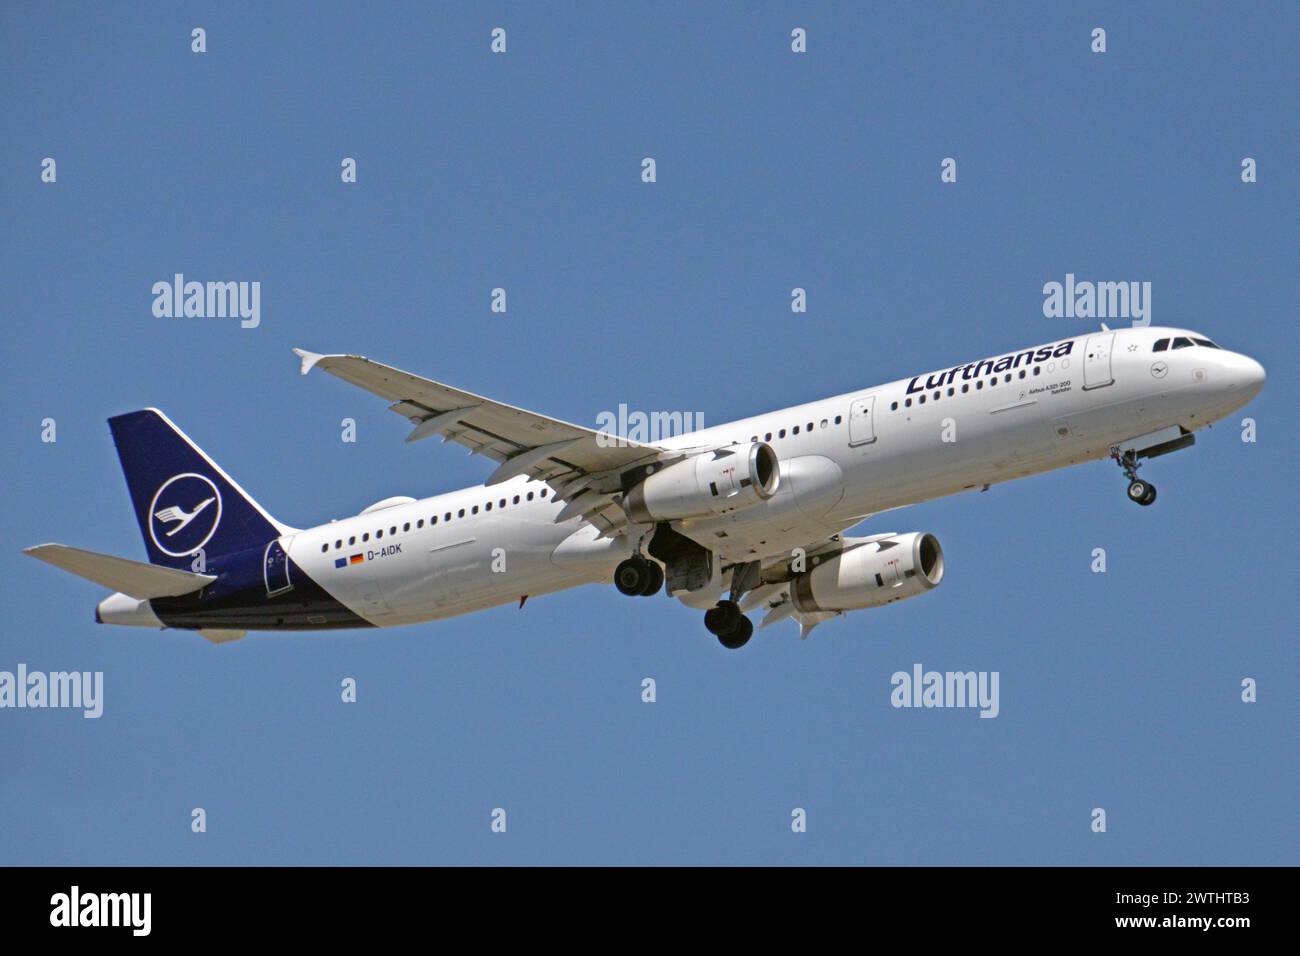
184, 514
1159, 370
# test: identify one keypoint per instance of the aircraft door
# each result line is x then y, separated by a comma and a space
862, 427
1096, 360
275, 569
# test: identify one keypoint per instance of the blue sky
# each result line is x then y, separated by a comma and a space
775, 170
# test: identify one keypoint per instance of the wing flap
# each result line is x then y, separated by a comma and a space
134, 578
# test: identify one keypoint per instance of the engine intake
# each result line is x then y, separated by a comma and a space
872, 574
711, 483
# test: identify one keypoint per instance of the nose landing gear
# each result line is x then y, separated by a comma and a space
1142, 492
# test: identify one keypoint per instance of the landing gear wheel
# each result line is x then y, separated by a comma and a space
723, 618
738, 636
1143, 492
632, 576
655, 582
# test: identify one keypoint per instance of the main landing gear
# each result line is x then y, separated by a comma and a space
725, 620
730, 626
638, 577
1143, 492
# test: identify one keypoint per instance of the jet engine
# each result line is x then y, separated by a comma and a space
869, 575
711, 483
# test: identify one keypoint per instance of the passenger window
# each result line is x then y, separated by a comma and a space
474, 510
530, 496
420, 523
921, 399
993, 381
965, 388
352, 540
379, 534
393, 530
324, 547
767, 437
795, 430
1160, 346
838, 419
338, 544
810, 426
1022, 373
460, 513
407, 526
516, 499
501, 503
1007, 377
447, 516
1037, 370
908, 403
781, 433
543, 492
488, 506
366, 536
825, 423
979, 385
893, 407
951, 391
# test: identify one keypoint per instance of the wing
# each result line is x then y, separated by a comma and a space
582, 465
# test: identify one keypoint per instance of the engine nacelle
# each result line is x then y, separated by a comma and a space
711, 483
872, 574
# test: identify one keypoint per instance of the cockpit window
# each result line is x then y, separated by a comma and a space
1182, 343
1206, 342
1160, 345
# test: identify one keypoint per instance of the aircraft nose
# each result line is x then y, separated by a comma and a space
1245, 374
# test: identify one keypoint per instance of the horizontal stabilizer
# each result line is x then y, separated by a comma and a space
135, 578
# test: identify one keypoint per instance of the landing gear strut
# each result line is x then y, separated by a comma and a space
730, 626
1143, 492
638, 577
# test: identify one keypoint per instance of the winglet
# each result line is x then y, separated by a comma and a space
309, 359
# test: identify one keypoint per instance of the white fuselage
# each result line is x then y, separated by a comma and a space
842, 458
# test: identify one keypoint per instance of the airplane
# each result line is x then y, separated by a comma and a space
736, 518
